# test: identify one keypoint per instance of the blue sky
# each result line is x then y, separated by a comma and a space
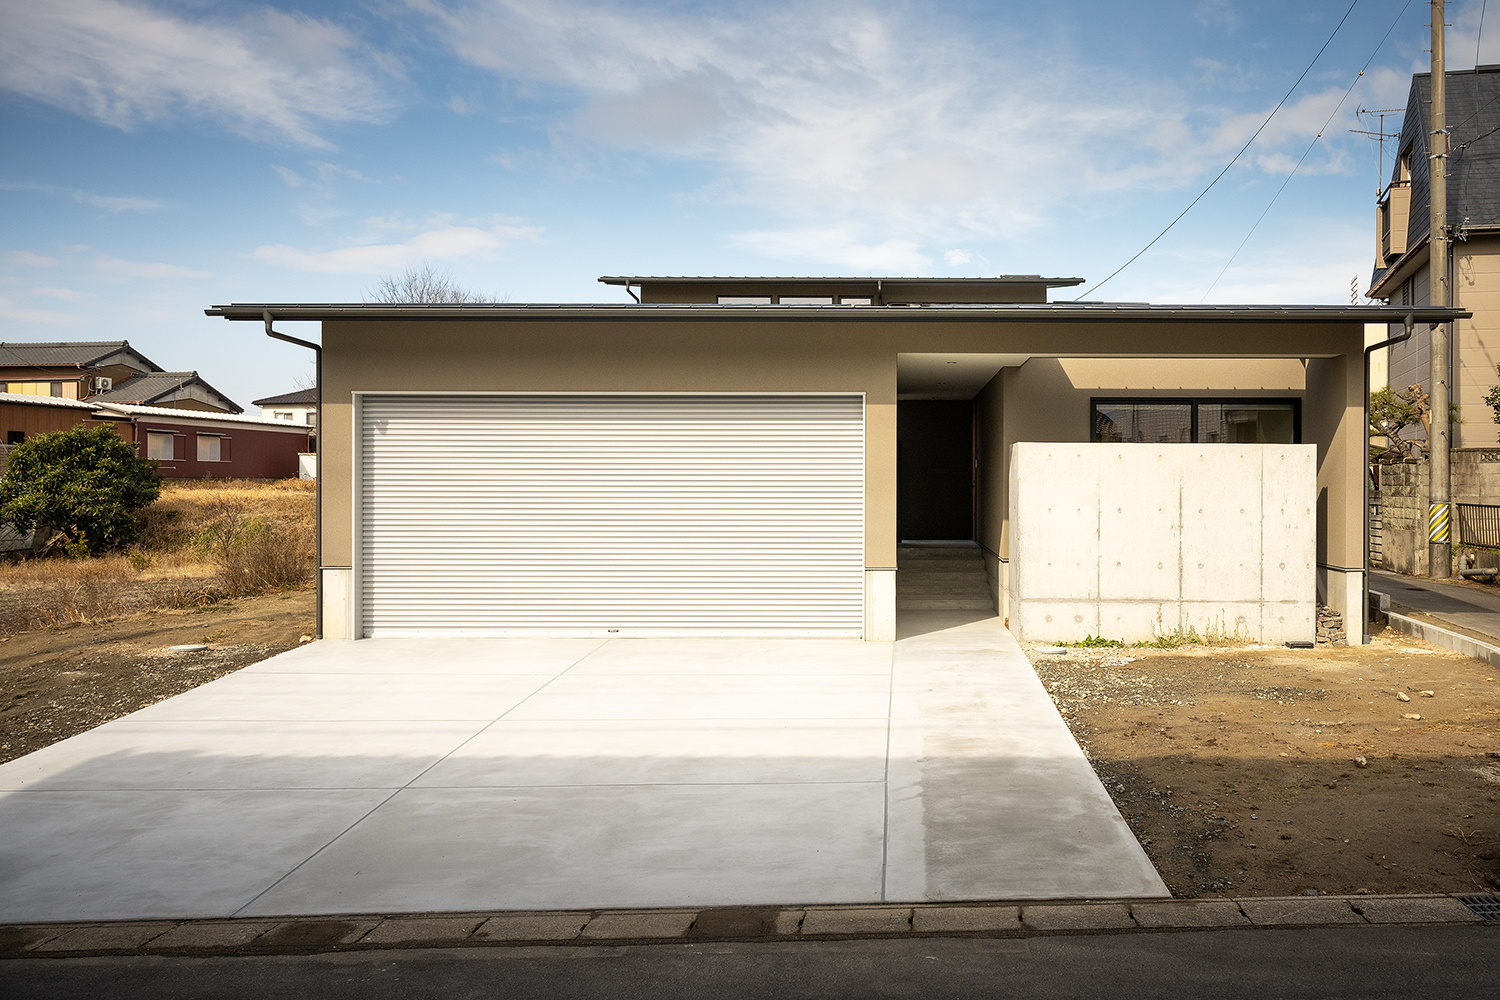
162, 155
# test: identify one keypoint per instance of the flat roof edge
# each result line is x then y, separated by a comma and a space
1016, 312
999, 279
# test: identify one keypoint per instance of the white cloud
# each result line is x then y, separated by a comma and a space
841, 246
1216, 13
450, 243
28, 259
898, 131
21, 314
263, 73
958, 257
320, 178
114, 267
64, 294
112, 203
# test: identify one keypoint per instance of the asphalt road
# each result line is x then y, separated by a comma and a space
1356, 962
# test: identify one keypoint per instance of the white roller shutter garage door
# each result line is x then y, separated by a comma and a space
610, 515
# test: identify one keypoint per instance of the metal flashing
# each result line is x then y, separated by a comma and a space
1020, 312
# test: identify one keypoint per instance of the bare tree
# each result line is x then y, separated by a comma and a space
424, 284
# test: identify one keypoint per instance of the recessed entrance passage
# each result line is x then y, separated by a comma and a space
935, 469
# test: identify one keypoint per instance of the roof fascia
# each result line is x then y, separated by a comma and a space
1017, 312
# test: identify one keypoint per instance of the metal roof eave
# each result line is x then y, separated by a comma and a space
1002, 312
999, 279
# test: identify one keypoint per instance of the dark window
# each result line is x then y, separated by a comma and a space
55, 389
15, 437
1200, 421
1155, 422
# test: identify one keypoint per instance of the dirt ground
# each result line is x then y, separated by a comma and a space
1239, 767
59, 681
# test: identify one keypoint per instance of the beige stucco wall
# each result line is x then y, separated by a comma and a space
1476, 341
1044, 400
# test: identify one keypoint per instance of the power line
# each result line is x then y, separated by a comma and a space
1231, 163
1357, 77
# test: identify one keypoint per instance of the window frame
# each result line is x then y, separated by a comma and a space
218, 446
1193, 403
171, 440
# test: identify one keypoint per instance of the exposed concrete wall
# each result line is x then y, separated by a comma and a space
1137, 540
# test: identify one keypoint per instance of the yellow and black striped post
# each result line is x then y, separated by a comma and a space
1437, 523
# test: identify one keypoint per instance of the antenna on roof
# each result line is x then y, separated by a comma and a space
1382, 135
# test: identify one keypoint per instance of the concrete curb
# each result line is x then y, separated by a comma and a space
305, 935
1446, 638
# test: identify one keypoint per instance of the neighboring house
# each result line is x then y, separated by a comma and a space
1401, 275
187, 444
174, 390
71, 369
706, 462
106, 370
299, 407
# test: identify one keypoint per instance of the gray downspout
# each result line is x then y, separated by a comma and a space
1365, 610
318, 482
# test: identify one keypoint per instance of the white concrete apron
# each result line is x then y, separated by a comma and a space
409, 775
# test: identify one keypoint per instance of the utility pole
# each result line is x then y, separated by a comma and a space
1439, 548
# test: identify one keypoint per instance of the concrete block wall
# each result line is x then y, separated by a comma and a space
1135, 540
1403, 494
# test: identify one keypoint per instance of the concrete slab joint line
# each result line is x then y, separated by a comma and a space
853, 920
966, 920
1300, 911
1189, 914
639, 925
1077, 917
422, 930
531, 927
1415, 910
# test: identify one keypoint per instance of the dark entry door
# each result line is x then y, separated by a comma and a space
935, 469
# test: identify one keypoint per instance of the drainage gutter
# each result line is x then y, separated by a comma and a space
317, 350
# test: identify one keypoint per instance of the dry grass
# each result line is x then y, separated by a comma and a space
201, 542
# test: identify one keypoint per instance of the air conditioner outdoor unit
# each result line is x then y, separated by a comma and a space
103, 383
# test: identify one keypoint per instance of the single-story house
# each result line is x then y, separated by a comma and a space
748, 456
187, 444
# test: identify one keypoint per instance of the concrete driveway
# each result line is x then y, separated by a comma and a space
492, 774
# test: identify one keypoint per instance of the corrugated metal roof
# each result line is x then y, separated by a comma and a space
302, 397
197, 416
21, 397
94, 405
73, 353
146, 389
1019, 312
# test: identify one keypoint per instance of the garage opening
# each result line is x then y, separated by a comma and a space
610, 515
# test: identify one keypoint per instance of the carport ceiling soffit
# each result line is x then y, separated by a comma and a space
949, 376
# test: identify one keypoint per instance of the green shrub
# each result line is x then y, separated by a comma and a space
86, 483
